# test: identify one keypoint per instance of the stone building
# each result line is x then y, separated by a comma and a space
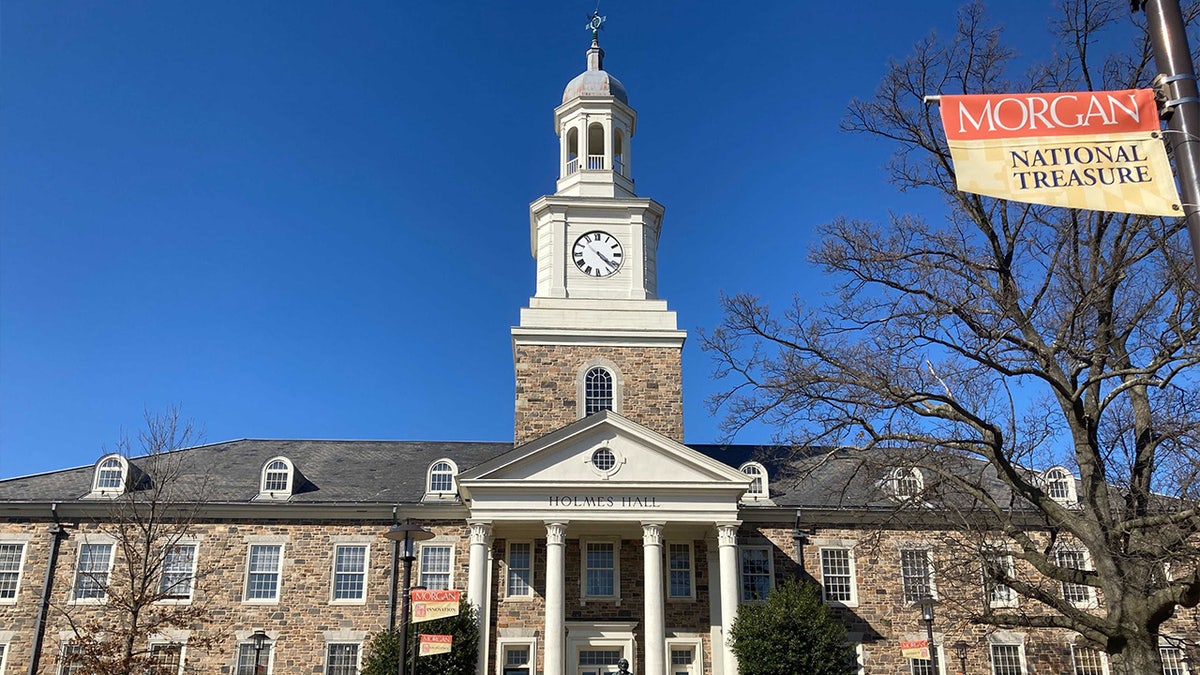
595, 535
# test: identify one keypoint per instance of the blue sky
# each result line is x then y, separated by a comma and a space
310, 219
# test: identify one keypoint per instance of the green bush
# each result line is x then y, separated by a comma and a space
792, 633
384, 647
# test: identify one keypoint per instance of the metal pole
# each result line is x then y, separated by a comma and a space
1172, 57
392, 594
927, 617
404, 599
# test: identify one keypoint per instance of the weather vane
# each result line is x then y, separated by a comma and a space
596, 22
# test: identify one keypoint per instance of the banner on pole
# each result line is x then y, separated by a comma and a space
430, 605
914, 649
1100, 150
436, 644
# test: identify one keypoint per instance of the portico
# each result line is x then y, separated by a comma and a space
624, 520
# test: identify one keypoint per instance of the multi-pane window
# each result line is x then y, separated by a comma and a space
679, 570
599, 657
924, 666
110, 475
1006, 660
518, 660
441, 477
597, 391
683, 660
276, 476
262, 572
837, 574
756, 573
916, 575
167, 659
251, 661
349, 572
1060, 485
70, 660
341, 658
1076, 594
997, 566
907, 482
10, 569
178, 571
92, 570
600, 571
758, 484
520, 568
435, 567
1172, 660
1088, 661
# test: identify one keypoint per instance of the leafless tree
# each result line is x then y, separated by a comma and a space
153, 595
1012, 338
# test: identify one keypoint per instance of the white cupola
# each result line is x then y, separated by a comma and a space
595, 125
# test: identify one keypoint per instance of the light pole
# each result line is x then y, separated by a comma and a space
927, 604
259, 640
960, 650
407, 533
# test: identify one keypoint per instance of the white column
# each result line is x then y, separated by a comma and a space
477, 582
655, 616
727, 543
556, 607
714, 607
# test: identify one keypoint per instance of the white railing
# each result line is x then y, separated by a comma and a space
595, 162
572, 165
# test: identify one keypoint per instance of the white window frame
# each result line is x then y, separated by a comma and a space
503, 644
618, 385
5, 649
102, 466
20, 571
859, 667
251, 545
421, 571
325, 665
1023, 664
1085, 562
583, 570
930, 581
93, 540
333, 573
289, 488
941, 657
692, 643
742, 549
1181, 662
268, 647
1075, 662
157, 642
508, 570
191, 573
1061, 474
758, 473
691, 571
989, 587
452, 491
899, 476
62, 653
853, 601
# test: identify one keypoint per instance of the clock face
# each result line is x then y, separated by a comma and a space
597, 254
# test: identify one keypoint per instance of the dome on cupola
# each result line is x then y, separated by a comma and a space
594, 81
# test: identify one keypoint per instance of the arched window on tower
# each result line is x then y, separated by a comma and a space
619, 152
597, 391
572, 151
595, 147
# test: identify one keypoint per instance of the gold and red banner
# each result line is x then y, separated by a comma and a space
914, 649
436, 644
1100, 150
430, 605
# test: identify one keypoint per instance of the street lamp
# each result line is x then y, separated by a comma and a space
407, 533
927, 604
259, 640
960, 650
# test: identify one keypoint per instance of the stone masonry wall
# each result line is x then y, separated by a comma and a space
546, 387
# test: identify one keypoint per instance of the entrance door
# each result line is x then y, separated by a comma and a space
598, 661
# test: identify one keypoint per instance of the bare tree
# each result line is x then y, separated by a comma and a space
151, 592
1009, 337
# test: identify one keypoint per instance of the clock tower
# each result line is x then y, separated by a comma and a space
595, 336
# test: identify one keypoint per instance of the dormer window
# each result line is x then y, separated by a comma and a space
278, 479
1060, 485
758, 484
112, 473
906, 483
441, 478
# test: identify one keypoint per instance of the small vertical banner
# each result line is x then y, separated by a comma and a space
909, 649
1099, 150
436, 644
430, 605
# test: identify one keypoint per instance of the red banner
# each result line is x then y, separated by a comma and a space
436, 644
430, 605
